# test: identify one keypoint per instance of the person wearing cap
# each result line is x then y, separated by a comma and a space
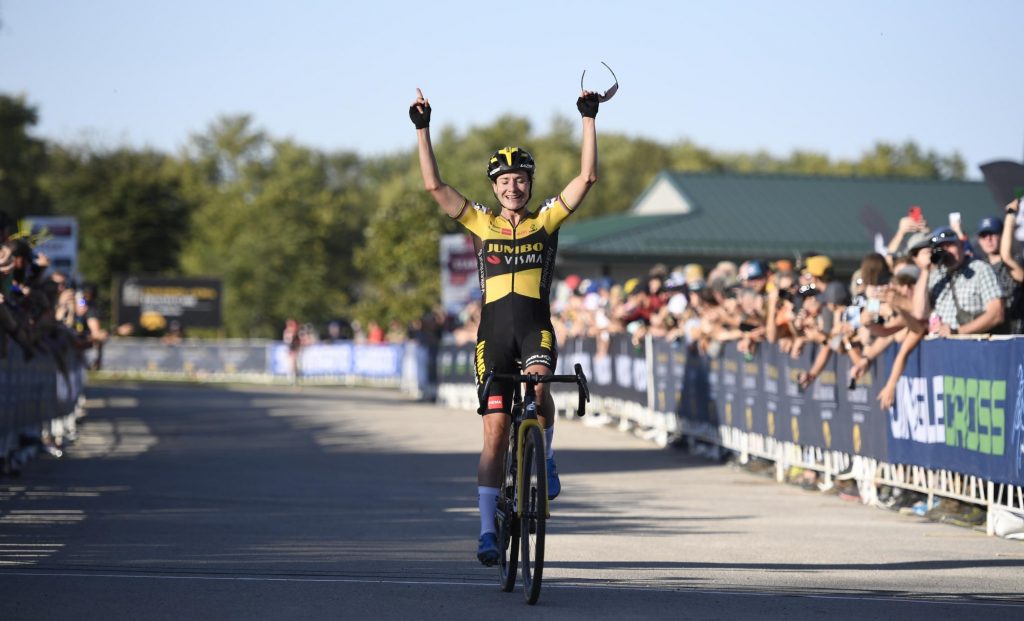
1014, 267
907, 226
989, 237
963, 293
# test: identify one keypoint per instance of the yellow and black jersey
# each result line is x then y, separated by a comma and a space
515, 264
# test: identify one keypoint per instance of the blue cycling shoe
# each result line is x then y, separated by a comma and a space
487, 551
554, 485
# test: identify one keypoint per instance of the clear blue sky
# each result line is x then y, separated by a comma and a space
741, 76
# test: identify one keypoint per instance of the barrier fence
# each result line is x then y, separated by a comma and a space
39, 402
255, 359
956, 429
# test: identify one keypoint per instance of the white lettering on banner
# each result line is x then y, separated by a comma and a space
602, 371
938, 429
623, 370
858, 395
823, 392
377, 360
911, 418
640, 374
326, 360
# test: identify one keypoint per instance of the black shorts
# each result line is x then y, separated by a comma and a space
501, 350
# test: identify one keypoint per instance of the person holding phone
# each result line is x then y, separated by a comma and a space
909, 224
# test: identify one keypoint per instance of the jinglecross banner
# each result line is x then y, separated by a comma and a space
960, 406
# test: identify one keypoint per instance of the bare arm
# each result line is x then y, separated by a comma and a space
576, 191
983, 323
922, 306
450, 200
887, 395
1006, 241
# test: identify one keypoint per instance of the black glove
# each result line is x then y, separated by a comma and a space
588, 105
420, 119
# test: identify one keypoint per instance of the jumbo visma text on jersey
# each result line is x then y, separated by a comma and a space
516, 263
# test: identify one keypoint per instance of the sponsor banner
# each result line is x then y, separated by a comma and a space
667, 383
455, 364
344, 359
863, 432
340, 360
153, 302
959, 407
629, 370
151, 355
459, 278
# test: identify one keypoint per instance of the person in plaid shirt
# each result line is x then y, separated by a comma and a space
963, 292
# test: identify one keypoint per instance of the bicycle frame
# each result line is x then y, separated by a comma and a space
522, 422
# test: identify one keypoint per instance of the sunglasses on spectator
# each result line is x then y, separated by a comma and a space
987, 234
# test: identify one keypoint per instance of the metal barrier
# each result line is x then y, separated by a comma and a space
956, 431
39, 404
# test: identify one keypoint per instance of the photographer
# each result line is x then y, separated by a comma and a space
963, 293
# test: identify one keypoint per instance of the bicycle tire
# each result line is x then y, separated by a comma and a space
507, 524
534, 521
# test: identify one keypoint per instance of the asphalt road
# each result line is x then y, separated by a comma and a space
257, 503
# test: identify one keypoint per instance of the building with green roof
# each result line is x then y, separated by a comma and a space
708, 217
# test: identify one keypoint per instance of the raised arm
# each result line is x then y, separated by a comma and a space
1006, 241
576, 191
450, 200
922, 304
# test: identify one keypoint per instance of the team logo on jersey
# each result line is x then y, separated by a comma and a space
493, 259
495, 402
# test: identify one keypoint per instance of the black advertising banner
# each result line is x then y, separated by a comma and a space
153, 302
629, 369
959, 404
666, 382
796, 413
863, 431
773, 377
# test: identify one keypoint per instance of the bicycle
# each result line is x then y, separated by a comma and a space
522, 511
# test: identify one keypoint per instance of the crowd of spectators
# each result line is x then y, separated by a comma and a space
928, 282
41, 310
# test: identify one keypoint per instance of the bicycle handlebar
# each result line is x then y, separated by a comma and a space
580, 379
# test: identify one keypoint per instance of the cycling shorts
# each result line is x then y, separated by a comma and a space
501, 350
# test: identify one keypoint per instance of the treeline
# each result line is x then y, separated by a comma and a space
297, 232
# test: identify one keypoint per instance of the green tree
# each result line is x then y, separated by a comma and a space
133, 216
278, 222
400, 261
22, 160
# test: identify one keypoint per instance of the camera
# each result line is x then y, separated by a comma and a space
939, 256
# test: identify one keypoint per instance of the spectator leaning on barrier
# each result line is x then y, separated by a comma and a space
961, 295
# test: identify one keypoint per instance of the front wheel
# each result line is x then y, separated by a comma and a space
532, 526
507, 524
